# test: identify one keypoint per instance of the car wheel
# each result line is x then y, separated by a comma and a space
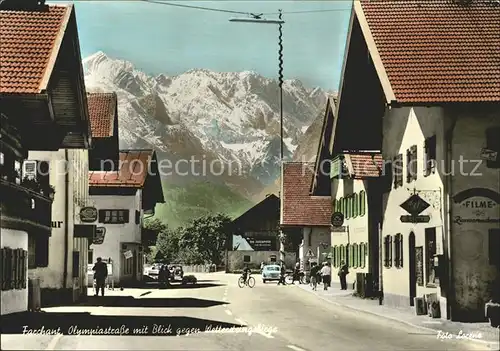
264, 281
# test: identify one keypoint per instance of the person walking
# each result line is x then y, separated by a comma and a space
282, 274
100, 274
343, 272
326, 274
314, 275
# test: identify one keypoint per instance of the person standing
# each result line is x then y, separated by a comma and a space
326, 274
343, 272
314, 275
282, 274
100, 274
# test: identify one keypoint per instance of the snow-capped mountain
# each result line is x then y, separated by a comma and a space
229, 117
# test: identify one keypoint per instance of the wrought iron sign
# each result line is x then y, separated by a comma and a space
415, 205
88, 214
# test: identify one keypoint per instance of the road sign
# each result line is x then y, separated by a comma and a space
415, 205
342, 229
337, 219
310, 253
415, 219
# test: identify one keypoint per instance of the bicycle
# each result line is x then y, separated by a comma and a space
301, 278
250, 282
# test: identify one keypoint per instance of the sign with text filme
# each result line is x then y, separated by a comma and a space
262, 243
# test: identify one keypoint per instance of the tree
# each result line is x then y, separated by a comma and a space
153, 228
207, 237
167, 246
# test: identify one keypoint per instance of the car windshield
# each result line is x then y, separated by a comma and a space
272, 268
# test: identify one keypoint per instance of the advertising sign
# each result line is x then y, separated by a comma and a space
88, 214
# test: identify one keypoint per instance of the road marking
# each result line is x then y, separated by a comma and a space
295, 348
52, 344
241, 321
229, 312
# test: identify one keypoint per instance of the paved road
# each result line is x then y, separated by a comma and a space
279, 318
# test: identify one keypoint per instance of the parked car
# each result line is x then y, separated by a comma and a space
271, 272
153, 271
176, 272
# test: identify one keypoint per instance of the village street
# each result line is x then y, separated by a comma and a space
289, 318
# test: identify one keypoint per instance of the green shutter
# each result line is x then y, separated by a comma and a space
355, 253
356, 205
348, 207
362, 203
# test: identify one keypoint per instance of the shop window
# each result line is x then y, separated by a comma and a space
493, 144
398, 251
114, 216
397, 171
362, 203
246, 258
430, 252
430, 156
388, 251
411, 164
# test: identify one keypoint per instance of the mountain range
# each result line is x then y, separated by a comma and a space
219, 130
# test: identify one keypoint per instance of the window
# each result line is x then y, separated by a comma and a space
76, 264
493, 144
411, 164
17, 171
388, 251
38, 251
246, 258
137, 217
397, 171
430, 252
128, 267
363, 255
90, 256
14, 268
114, 216
362, 203
398, 251
2, 159
430, 156
494, 244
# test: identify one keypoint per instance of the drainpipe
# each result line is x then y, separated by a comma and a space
66, 216
450, 298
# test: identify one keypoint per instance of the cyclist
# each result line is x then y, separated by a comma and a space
246, 273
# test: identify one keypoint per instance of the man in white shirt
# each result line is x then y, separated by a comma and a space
326, 274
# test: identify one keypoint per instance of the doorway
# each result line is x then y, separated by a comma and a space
412, 266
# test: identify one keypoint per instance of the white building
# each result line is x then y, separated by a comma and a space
43, 108
435, 115
122, 198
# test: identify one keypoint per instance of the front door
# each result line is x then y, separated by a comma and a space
413, 268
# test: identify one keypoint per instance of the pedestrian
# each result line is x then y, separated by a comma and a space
261, 267
314, 275
282, 274
343, 272
326, 274
100, 274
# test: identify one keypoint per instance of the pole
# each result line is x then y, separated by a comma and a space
380, 266
280, 82
280, 73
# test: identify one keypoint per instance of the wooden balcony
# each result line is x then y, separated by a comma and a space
25, 209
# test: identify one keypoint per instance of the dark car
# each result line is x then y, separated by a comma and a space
176, 272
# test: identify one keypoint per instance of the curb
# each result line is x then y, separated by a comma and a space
490, 344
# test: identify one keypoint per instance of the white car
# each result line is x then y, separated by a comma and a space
271, 272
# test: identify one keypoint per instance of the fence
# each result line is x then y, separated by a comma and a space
198, 268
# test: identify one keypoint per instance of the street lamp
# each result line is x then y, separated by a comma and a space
279, 22
258, 19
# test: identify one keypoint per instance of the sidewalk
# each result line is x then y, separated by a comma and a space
481, 333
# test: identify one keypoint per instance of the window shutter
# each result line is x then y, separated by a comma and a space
401, 250
363, 254
356, 205
356, 255
15, 265
390, 251
102, 216
414, 162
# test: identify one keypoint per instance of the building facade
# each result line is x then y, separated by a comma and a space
255, 238
48, 101
436, 125
122, 198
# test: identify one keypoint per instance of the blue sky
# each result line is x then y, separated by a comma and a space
172, 40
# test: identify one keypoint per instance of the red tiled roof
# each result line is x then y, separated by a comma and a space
299, 208
364, 165
102, 111
132, 174
437, 50
29, 42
